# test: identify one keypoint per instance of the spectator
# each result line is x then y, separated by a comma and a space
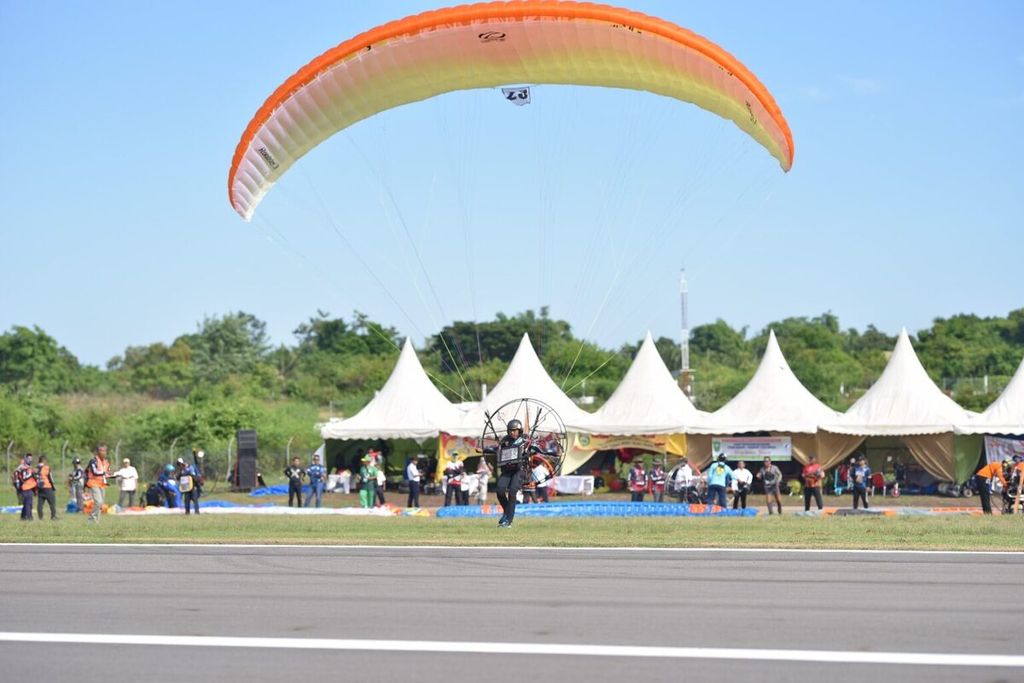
637, 481
16, 484
483, 473
25, 479
378, 458
771, 475
682, 479
657, 479
76, 483
542, 474
842, 479
742, 478
813, 475
96, 474
169, 484
128, 479
316, 474
453, 472
188, 484
412, 474
368, 485
382, 482
861, 476
1017, 475
719, 474
295, 474
529, 491
982, 481
47, 490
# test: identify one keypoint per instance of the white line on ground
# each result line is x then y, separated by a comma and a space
429, 646
265, 546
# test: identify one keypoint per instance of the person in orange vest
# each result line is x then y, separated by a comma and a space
47, 491
96, 474
983, 480
657, 481
25, 477
637, 482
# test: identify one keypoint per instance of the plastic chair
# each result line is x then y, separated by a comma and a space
878, 482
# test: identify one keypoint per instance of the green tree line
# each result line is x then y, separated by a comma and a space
200, 388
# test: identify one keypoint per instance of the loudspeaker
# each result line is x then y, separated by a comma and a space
246, 472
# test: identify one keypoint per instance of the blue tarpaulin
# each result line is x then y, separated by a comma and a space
275, 490
595, 509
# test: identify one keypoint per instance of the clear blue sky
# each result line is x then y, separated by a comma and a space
905, 202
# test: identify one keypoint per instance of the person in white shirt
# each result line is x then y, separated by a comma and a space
483, 473
742, 478
412, 473
382, 482
128, 480
682, 479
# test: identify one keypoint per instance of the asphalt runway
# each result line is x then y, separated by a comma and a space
841, 605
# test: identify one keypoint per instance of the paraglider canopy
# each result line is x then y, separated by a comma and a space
489, 45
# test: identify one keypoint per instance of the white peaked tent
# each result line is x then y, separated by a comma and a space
408, 406
904, 402
524, 378
1005, 415
773, 401
647, 401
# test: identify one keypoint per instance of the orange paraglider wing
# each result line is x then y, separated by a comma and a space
488, 45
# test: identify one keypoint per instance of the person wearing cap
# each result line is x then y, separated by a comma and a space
25, 478
368, 477
983, 482
188, 484
317, 473
46, 489
742, 479
860, 478
454, 471
719, 475
128, 479
771, 475
295, 474
76, 483
637, 481
96, 474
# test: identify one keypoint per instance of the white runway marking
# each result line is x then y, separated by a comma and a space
299, 546
442, 647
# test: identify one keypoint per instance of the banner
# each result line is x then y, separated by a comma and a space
674, 444
517, 96
998, 448
447, 444
753, 447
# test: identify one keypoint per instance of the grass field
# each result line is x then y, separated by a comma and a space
922, 533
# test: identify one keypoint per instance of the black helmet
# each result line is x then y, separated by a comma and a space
721, 457
77, 461
514, 424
